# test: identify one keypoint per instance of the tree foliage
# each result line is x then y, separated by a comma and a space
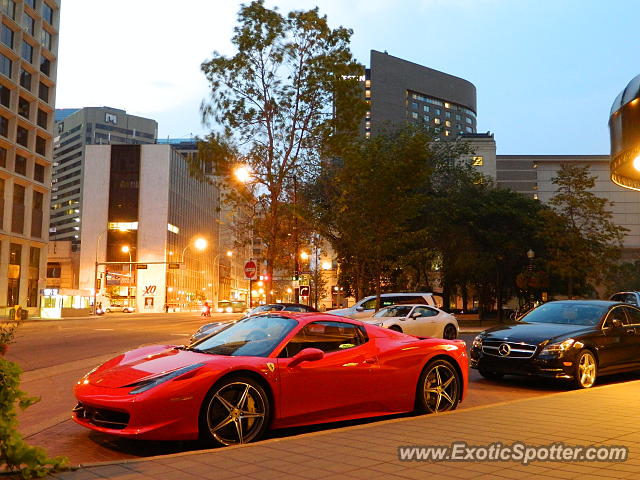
275, 100
584, 241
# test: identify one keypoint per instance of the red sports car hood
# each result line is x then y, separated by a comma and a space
144, 362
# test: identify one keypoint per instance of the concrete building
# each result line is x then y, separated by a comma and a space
143, 197
77, 128
399, 91
28, 67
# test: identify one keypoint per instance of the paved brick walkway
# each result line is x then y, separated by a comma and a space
607, 415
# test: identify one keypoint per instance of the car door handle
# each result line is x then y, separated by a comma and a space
370, 361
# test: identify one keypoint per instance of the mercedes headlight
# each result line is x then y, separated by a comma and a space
149, 383
477, 342
558, 348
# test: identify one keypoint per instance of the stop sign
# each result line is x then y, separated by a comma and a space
250, 270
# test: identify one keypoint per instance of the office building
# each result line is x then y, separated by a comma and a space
28, 65
143, 197
77, 128
399, 91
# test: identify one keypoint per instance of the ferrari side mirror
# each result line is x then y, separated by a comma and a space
306, 355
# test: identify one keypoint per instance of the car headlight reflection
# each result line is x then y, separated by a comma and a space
558, 348
144, 385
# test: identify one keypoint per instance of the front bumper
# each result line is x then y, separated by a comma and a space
550, 366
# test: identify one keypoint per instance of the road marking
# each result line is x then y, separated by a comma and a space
104, 329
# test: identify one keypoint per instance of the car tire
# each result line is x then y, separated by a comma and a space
450, 332
395, 328
490, 375
439, 387
586, 369
222, 419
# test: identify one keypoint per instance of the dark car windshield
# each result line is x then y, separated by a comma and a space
252, 337
567, 313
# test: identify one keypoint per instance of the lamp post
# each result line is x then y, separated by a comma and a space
199, 243
127, 249
95, 273
531, 255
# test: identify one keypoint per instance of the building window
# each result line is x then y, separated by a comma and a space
13, 284
437, 111
45, 65
27, 51
447, 105
28, 23
6, 36
38, 173
447, 133
43, 92
469, 129
8, 7
3, 160
25, 79
54, 270
447, 114
426, 108
414, 114
31, 3
2, 186
22, 136
41, 145
447, 123
478, 161
4, 126
34, 274
5, 96
43, 119
414, 105
5, 65
458, 117
24, 107
468, 120
20, 165
436, 121
425, 118
17, 217
37, 213
47, 13
45, 39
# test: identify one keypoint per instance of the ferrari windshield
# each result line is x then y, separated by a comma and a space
252, 337
266, 308
567, 313
394, 311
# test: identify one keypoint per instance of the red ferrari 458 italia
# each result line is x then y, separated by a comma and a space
270, 371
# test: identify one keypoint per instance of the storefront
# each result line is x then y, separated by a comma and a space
65, 302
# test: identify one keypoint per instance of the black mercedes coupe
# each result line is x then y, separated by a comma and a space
576, 340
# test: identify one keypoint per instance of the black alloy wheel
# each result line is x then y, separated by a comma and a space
439, 387
234, 411
450, 332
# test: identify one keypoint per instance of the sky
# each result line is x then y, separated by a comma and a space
546, 71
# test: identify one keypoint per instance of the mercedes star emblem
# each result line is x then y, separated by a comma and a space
504, 349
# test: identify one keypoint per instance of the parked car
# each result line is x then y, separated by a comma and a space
213, 327
231, 306
366, 307
419, 320
224, 387
119, 308
576, 340
632, 298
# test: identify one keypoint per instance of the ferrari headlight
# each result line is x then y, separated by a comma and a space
477, 342
558, 348
379, 324
147, 384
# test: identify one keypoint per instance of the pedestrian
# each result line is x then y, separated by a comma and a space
166, 308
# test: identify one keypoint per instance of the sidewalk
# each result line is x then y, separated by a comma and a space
607, 415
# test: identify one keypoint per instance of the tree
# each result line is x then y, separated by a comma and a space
364, 205
584, 241
287, 98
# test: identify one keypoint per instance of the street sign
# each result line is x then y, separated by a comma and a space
141, 266
304, 290
250, 270
174, 266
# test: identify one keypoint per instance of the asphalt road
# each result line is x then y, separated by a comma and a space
54, 354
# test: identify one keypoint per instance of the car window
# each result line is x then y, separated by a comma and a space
633, 314
394, 311
618, 297
630, 298
326, 336
426, 311
369, 304
616, 313
295, 308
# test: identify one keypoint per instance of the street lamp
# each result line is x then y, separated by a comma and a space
95, 274
126, 249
